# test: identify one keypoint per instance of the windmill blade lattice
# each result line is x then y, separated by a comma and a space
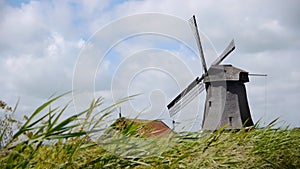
186, 96
225, 53
194, 27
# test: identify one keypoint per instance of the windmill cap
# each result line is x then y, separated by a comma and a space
226, 73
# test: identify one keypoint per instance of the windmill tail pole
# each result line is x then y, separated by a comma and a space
256, 74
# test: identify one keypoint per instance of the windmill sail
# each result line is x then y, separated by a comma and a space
186, 96
226, 52
194, 88
194, 27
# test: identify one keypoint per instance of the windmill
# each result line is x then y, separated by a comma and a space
226, 99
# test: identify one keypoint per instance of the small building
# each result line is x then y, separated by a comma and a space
149, 128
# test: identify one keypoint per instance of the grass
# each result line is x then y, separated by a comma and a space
45, 140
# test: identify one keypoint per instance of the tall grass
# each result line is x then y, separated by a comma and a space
44, 127
45, 140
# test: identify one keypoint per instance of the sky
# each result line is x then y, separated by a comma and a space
115, 48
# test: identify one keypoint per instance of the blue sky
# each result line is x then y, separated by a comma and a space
41, 42
17, 3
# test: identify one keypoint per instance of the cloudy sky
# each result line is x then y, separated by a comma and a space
115, 48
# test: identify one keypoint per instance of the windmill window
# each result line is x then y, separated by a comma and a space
209, 103
230, 121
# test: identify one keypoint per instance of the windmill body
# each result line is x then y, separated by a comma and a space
226, 100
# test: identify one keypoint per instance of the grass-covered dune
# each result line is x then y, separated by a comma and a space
46, 141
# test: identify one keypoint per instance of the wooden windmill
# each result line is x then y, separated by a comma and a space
226, 99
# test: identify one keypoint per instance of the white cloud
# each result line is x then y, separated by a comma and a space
272, 26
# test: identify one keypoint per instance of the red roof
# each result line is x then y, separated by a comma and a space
148, 127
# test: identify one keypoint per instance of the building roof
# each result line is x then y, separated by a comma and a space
226, 73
